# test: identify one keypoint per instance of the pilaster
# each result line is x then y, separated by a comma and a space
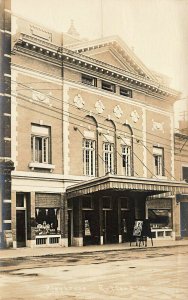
32, 211
13, 217
77, 223
64, 220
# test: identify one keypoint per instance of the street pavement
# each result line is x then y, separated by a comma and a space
99, 273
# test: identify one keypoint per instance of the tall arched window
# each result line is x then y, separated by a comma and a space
127, 150
109, 147
89, 146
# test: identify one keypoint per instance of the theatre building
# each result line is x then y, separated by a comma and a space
92, 139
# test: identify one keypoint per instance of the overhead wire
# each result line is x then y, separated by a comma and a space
76, 117
60, 100
83, 135
87, 111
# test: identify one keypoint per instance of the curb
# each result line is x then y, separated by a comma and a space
84, 252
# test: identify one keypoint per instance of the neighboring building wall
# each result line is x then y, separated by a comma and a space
5, 124
181, 172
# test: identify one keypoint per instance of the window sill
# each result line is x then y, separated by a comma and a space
36, 165
160, 177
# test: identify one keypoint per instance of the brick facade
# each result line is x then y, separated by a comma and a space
56, 113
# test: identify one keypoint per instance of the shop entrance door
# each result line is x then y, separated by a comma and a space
90, 227
125, 226
110, 233
20, 228
184, 218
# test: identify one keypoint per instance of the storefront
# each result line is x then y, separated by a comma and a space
160, 214
182, 200
104, 209
37, 219
94, 212
47, 217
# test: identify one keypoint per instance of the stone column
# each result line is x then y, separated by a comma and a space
140, 207
31, 242
101, 237
176, 219
77, 222
64, 220
119, 221
13, 217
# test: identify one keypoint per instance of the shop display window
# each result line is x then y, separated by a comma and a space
160, 218
47, 221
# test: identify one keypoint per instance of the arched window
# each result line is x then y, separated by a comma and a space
109, 147
127, 150
89, 146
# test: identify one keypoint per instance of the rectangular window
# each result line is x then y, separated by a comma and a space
87, 203
108, 150
107, 202
47, 220
126, 160
125, 92
89, 157
158, 154
160, 218
20, 200
124, 203
185, 173
86, 79
108, 86
40, 143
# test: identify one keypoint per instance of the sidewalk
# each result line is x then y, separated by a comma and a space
26, 252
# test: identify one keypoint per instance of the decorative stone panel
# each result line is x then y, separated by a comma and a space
118, 111
99, 107
78, 101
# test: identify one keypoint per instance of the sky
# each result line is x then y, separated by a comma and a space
157, 30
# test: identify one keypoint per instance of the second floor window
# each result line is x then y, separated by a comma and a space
125, 92
89, 80
40, 144
89, 157
108, 150
185, 173
126, 160
158, 155
108, 86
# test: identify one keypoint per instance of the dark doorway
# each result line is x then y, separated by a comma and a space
184, 218
125, 225
90, 227
70, 227
110, 228
20, 228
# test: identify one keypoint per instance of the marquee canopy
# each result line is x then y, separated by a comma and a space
122, 183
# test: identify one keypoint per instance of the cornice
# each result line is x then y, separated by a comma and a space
121, 47
116, 80
60, 55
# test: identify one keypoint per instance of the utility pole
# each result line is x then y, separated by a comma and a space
102, 19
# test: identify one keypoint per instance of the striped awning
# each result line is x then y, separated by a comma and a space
121, 183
